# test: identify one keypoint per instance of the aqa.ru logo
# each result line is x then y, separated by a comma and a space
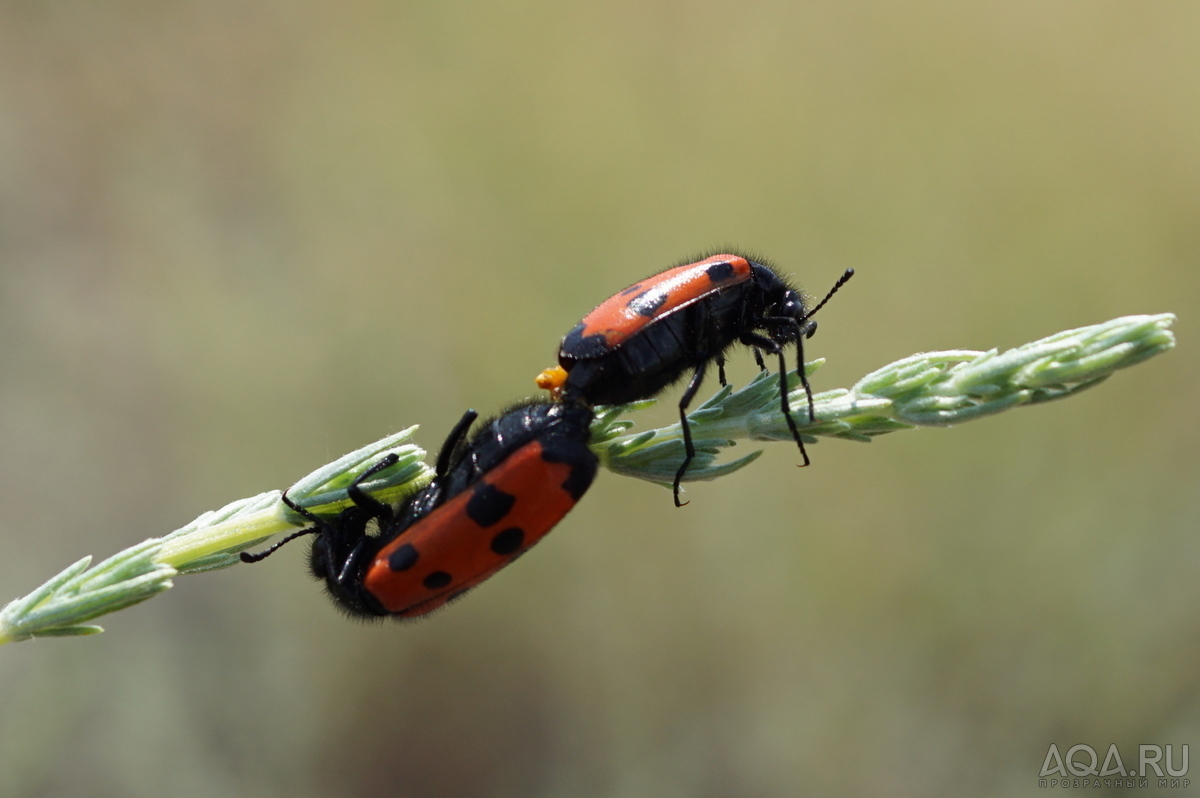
1081, 767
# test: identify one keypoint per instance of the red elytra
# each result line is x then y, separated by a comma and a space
458, 549
627, 313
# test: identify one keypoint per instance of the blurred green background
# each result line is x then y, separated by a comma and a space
238, 240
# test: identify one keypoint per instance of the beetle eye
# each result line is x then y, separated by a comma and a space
790, 310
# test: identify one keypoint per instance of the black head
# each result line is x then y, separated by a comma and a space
341, 552
340, 555
792, 306
784, 309
334, 543
780, 308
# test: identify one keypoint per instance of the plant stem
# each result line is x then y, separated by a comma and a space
930, 389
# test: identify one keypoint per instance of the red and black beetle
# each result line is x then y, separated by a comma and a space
491, 499
639, 341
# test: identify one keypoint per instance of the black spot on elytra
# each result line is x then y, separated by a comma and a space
508, 541
575, 336
721, 271
488, 504
577, 345
403, 558
436, 580
576, 455
579, 480
633, 289
648, 302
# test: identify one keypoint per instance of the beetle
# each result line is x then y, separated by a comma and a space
491, 499
646, 337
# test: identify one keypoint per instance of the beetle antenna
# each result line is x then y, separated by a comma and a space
304, 511
262, 555
845, 278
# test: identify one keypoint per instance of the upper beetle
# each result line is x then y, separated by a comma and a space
491, 499
640, 340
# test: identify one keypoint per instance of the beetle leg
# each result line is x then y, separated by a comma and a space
350, 573
799, 332
364, 500
453, 440
689, 451
754, 339
304, 511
